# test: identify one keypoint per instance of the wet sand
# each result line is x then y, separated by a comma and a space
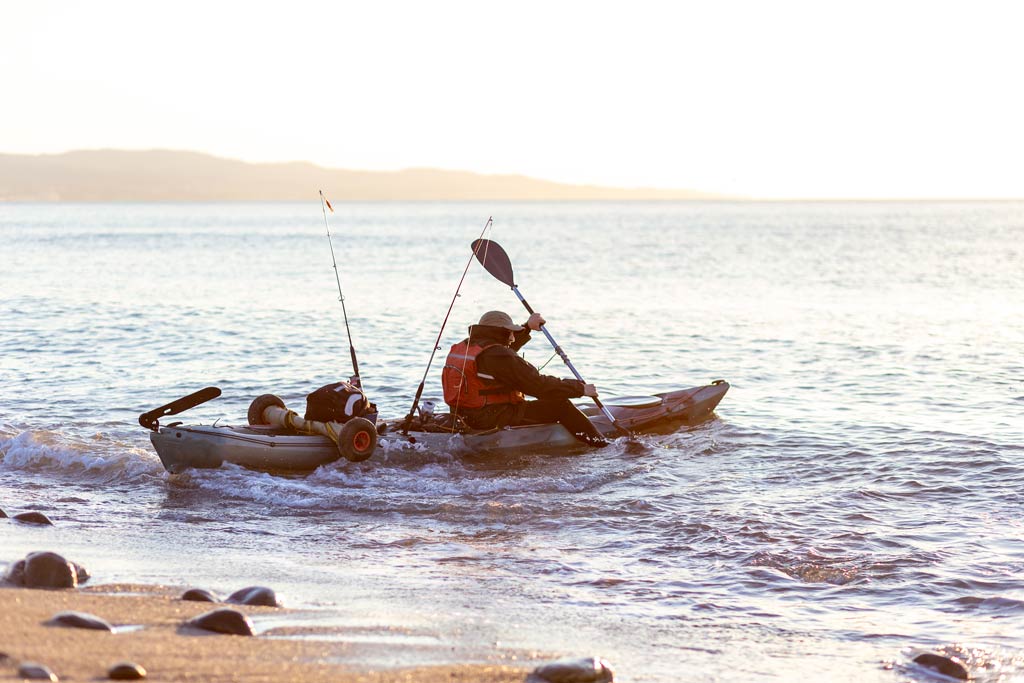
169, 654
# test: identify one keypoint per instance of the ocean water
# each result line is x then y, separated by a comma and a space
857, 498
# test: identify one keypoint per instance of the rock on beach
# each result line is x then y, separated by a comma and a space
199, 595
46, 570
36, 672
229, 621
947, 666
80, 620
255, 595
126, 671
33, 518
585, 670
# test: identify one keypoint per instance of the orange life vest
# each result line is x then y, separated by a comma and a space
464, 386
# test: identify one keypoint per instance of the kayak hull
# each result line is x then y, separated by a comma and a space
181, 447
270, 450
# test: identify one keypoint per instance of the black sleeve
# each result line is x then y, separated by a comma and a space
505, 366
521, 337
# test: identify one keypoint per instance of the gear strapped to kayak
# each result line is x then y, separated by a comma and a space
338, 402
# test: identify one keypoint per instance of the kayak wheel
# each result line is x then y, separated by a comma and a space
357, 439
261, 403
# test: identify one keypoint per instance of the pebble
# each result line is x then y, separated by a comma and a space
227, 621
585, 670
126, 671
37, 672
199, 595
80, 620
947, 666
33, 518
254, 595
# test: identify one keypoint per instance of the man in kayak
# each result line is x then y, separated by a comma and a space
485, 381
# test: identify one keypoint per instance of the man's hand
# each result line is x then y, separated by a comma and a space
535, 321
590, 390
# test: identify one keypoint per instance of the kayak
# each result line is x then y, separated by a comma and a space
275, 448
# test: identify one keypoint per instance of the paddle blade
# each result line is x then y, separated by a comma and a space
151, 419
494, 259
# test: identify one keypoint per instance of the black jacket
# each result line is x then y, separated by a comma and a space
505, 365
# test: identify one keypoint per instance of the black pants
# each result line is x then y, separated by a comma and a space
541, 411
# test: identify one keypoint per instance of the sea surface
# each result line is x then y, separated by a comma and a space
857, 499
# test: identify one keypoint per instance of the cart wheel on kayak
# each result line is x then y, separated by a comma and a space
261, 403
357, 439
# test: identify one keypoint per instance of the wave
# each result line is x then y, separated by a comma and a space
100, 458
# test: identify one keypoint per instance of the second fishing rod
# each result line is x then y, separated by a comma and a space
356, 379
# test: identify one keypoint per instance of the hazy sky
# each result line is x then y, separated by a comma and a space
774, 99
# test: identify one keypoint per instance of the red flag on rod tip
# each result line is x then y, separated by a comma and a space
329, 204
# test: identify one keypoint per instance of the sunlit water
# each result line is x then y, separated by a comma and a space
857, 498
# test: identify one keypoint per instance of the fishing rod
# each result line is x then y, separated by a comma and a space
437, 342
341, 297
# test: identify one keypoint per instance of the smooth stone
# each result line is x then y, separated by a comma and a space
48, 570
33, 518
944, 665
255, 595
80, 620
199, 595
126, 671
227, 621
36, 672
585, 670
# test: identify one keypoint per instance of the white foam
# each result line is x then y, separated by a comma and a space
102, 458
239, 483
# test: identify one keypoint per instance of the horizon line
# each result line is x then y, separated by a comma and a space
713, 196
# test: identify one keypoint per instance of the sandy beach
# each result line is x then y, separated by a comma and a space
147, 622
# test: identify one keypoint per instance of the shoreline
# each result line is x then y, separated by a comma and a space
147, 621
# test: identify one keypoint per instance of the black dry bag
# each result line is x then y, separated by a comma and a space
338, 402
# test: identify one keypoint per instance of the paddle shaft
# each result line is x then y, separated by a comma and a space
568, 363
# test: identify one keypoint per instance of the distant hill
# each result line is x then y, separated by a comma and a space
165, 175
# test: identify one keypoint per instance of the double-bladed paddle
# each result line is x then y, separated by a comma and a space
496, 262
